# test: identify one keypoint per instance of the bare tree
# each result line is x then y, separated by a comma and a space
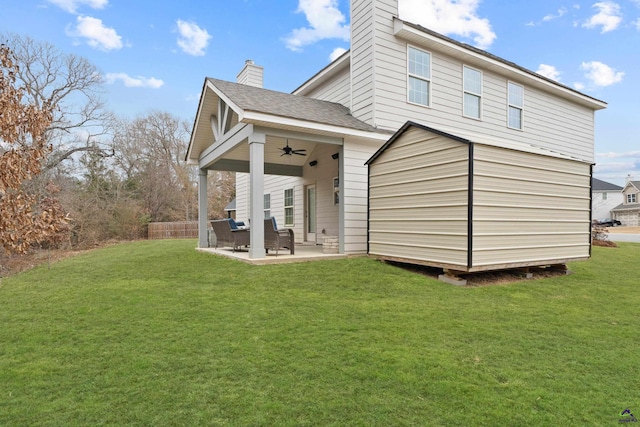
149, 151
25, 219
71, 87
221, 190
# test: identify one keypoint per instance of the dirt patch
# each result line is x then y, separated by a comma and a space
487, 278
14, 264
605, 243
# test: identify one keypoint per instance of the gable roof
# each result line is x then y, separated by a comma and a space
272, 109
259, 100
599, 185
473, 139
636, 184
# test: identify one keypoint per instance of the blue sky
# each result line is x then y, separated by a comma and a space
155, 55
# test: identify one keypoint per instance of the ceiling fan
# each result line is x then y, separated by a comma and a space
288, 151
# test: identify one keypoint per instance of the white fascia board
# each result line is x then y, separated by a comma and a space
406, 32
325, 74
188, 158
255, 117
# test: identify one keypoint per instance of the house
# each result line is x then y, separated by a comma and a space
604, 197
628, 212
301, 157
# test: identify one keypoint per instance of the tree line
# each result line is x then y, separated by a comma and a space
74, 173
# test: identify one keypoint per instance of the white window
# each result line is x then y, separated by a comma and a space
631, 198
336, 191
288, 207
472, 92
516, 103
419, 76
267, 206
604, 196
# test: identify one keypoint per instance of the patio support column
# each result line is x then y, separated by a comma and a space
256, 194
341, 195
203, 214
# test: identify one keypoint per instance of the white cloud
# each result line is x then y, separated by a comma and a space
72, 6
608, 16
96, 34
615, 155
129, 81
578, 86
337, 52
561, 12
325, 22
549, 71
601, 74
450, 18
192, 39
636, 24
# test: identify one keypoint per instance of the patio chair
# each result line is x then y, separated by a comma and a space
275, 239
228, 236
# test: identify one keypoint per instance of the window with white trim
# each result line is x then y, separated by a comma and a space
419, 76
267, 206
472, 96
631, 198
516, 105
288, 207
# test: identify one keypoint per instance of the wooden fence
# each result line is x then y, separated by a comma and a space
173, 230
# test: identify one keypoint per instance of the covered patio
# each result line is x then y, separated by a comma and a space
303, 253
247, 129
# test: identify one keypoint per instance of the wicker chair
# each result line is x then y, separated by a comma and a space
227, 236
275, 239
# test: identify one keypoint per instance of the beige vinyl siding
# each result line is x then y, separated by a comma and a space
242, 196
553, 122
418, 200
335, 90
322, 176
355, 154
528, 208
275, 186
362, 60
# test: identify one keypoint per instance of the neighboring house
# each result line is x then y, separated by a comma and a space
628, 213
395, 72
604, 197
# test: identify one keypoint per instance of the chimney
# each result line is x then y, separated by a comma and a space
251, 74
628, 179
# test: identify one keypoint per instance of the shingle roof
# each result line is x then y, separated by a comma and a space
250, 98
629, 207
599, 185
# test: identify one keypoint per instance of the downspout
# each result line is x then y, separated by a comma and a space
590, 209
368, 204
470, 208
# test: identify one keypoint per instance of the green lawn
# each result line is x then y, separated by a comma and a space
155, 333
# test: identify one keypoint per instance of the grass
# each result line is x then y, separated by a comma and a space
155, 333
